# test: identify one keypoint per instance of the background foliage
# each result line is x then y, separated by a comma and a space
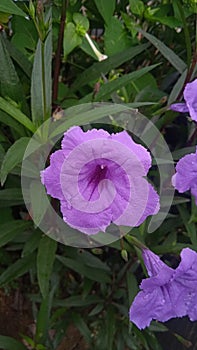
47, 65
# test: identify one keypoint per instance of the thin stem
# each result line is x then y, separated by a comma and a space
59, 51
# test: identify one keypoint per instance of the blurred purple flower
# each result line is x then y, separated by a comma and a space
190, 105
186, 174
99, 179
168, 293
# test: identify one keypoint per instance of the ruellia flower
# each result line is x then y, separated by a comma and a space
186, 174
190, 97
100, 179
167, 293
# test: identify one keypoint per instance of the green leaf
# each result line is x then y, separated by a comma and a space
82, 326
25, 36
177, 88
106, 9
190, 226
4, 18
10, 197
42, 322
132, 286
88, 116
110, 326
87, 258
8, 6
91, 273
82, 23
169, 54
71, 39
41, 83
19, 268
12, 123
13, 156
182, 152
93, 73
9, 84
137, 7
8, 343
115, 37
39, 201
19, 58
78, 301
96, 310
11, 229
32, 243
45, 259
114, 85
15, 113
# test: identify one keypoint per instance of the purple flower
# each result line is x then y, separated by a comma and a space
186, 174
99, 179
190, 105
168, 293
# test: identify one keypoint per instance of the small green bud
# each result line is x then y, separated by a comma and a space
32, 10
124, 255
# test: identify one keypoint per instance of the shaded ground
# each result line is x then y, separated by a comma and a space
15, 314
16, 319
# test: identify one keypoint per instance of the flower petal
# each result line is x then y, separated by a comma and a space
76, 136
154, 264
89, 223
139, 205
190, 96
168, 293
179, 107
141, 152
50, 176
186, 272
186, 173
151, 305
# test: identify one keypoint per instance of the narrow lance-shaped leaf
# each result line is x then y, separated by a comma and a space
13, 157
8, 6
114, 85
174, 59
8, 343
42, 322
41, 83
39, 201
15, 113
77, 118
19, 58
10, 84
10, 230
105, 66
19, 268
45, 259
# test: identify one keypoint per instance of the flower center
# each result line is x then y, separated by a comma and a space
90, 177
